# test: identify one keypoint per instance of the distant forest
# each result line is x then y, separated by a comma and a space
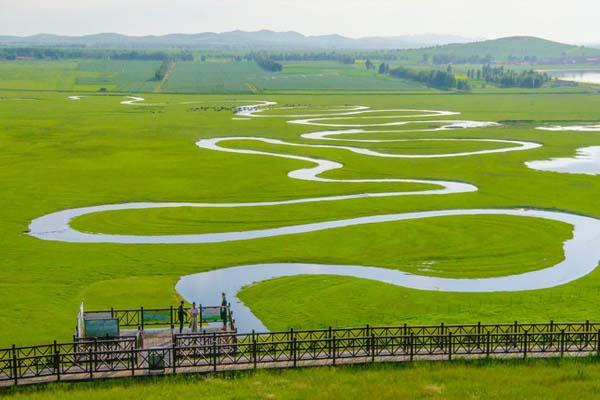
59, 53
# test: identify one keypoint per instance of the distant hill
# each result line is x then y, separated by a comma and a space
506, 49
237, 39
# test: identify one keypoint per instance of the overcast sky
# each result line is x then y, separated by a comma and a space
575, 21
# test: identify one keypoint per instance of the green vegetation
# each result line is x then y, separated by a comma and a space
510, 78
248, 77
510, 49
531, 379
62, 53
84, 75
162, 71
434, 78
421, 247
61, 154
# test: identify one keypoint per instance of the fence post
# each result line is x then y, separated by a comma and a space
142, 317
334, 350
294, 350
598, 343
562, 342
411, 344
171, 318
525, 343
56, 361
14, 362
290, 342
488, 344
214, 346
112, 312
200, 315
174, 355
91, 359
253, 349
132, 360
372, 347
367, 339
587, 325
329, 337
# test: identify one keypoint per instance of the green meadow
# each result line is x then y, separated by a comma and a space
60, 154
211, 77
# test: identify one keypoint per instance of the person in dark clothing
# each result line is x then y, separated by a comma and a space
181, 316
224, 307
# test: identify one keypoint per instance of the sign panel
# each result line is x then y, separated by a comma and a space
211, 314
101, 327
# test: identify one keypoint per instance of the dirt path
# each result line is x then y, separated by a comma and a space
159, 85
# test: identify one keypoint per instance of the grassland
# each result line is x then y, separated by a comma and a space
75, 75
213, 77
246, 77
59, 154
531, 379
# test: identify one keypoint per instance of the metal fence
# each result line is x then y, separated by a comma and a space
140, 318
88, 359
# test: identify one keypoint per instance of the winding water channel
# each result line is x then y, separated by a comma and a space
582, 252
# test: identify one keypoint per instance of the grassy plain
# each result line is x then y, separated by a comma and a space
214, 77
530, 379
247, 77
85, 75
60, 154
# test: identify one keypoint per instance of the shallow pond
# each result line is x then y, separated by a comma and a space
586, 161
577, 76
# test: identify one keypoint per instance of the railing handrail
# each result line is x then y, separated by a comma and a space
323, 330
103, 357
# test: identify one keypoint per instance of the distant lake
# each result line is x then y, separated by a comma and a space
577, 76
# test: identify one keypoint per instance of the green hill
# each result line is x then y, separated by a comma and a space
516, 48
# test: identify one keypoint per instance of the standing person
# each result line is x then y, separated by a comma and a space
181, 316
224, 308
194, 320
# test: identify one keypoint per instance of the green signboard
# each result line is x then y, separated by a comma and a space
102, 327
211, 314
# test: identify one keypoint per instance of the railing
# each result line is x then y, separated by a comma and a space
144, 317
89, 359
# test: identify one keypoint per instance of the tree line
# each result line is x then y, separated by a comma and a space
438, 79
504, 77
265, 62
58, 53
443, 59
304, 56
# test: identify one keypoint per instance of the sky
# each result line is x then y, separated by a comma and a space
574, 21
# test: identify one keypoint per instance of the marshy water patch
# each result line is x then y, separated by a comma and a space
579, 76
586, 161
591, 127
